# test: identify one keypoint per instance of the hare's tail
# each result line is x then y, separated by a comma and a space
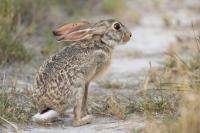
46, 115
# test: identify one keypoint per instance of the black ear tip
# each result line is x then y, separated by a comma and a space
55, 33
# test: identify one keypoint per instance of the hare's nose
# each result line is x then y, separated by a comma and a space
130, 34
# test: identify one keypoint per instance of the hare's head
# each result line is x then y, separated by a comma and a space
109, 31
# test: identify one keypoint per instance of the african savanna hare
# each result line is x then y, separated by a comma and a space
64, 78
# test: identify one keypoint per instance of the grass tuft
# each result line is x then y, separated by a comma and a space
154, 102
107, 105
16, 106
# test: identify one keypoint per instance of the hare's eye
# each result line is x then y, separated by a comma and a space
116, 26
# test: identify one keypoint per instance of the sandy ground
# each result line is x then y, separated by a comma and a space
99, 125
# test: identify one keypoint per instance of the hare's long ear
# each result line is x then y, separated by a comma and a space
69, 27
76, 35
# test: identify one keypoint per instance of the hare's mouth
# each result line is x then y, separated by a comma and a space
126, 37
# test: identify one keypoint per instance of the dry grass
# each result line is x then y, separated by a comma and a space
154, 102
188, 120
16, 106
185, 74
108, 105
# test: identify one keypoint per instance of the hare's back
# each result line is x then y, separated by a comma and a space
65, 59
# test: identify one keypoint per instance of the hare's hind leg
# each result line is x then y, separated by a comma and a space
78, 119
84, 102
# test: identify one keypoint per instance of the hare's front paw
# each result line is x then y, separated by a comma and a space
85, 111
85, 120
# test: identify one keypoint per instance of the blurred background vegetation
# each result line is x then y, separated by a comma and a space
21, 19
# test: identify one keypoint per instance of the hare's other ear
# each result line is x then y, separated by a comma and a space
69, 27
76, 35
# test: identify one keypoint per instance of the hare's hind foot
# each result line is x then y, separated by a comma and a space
84, 120
85, 112
45, 117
